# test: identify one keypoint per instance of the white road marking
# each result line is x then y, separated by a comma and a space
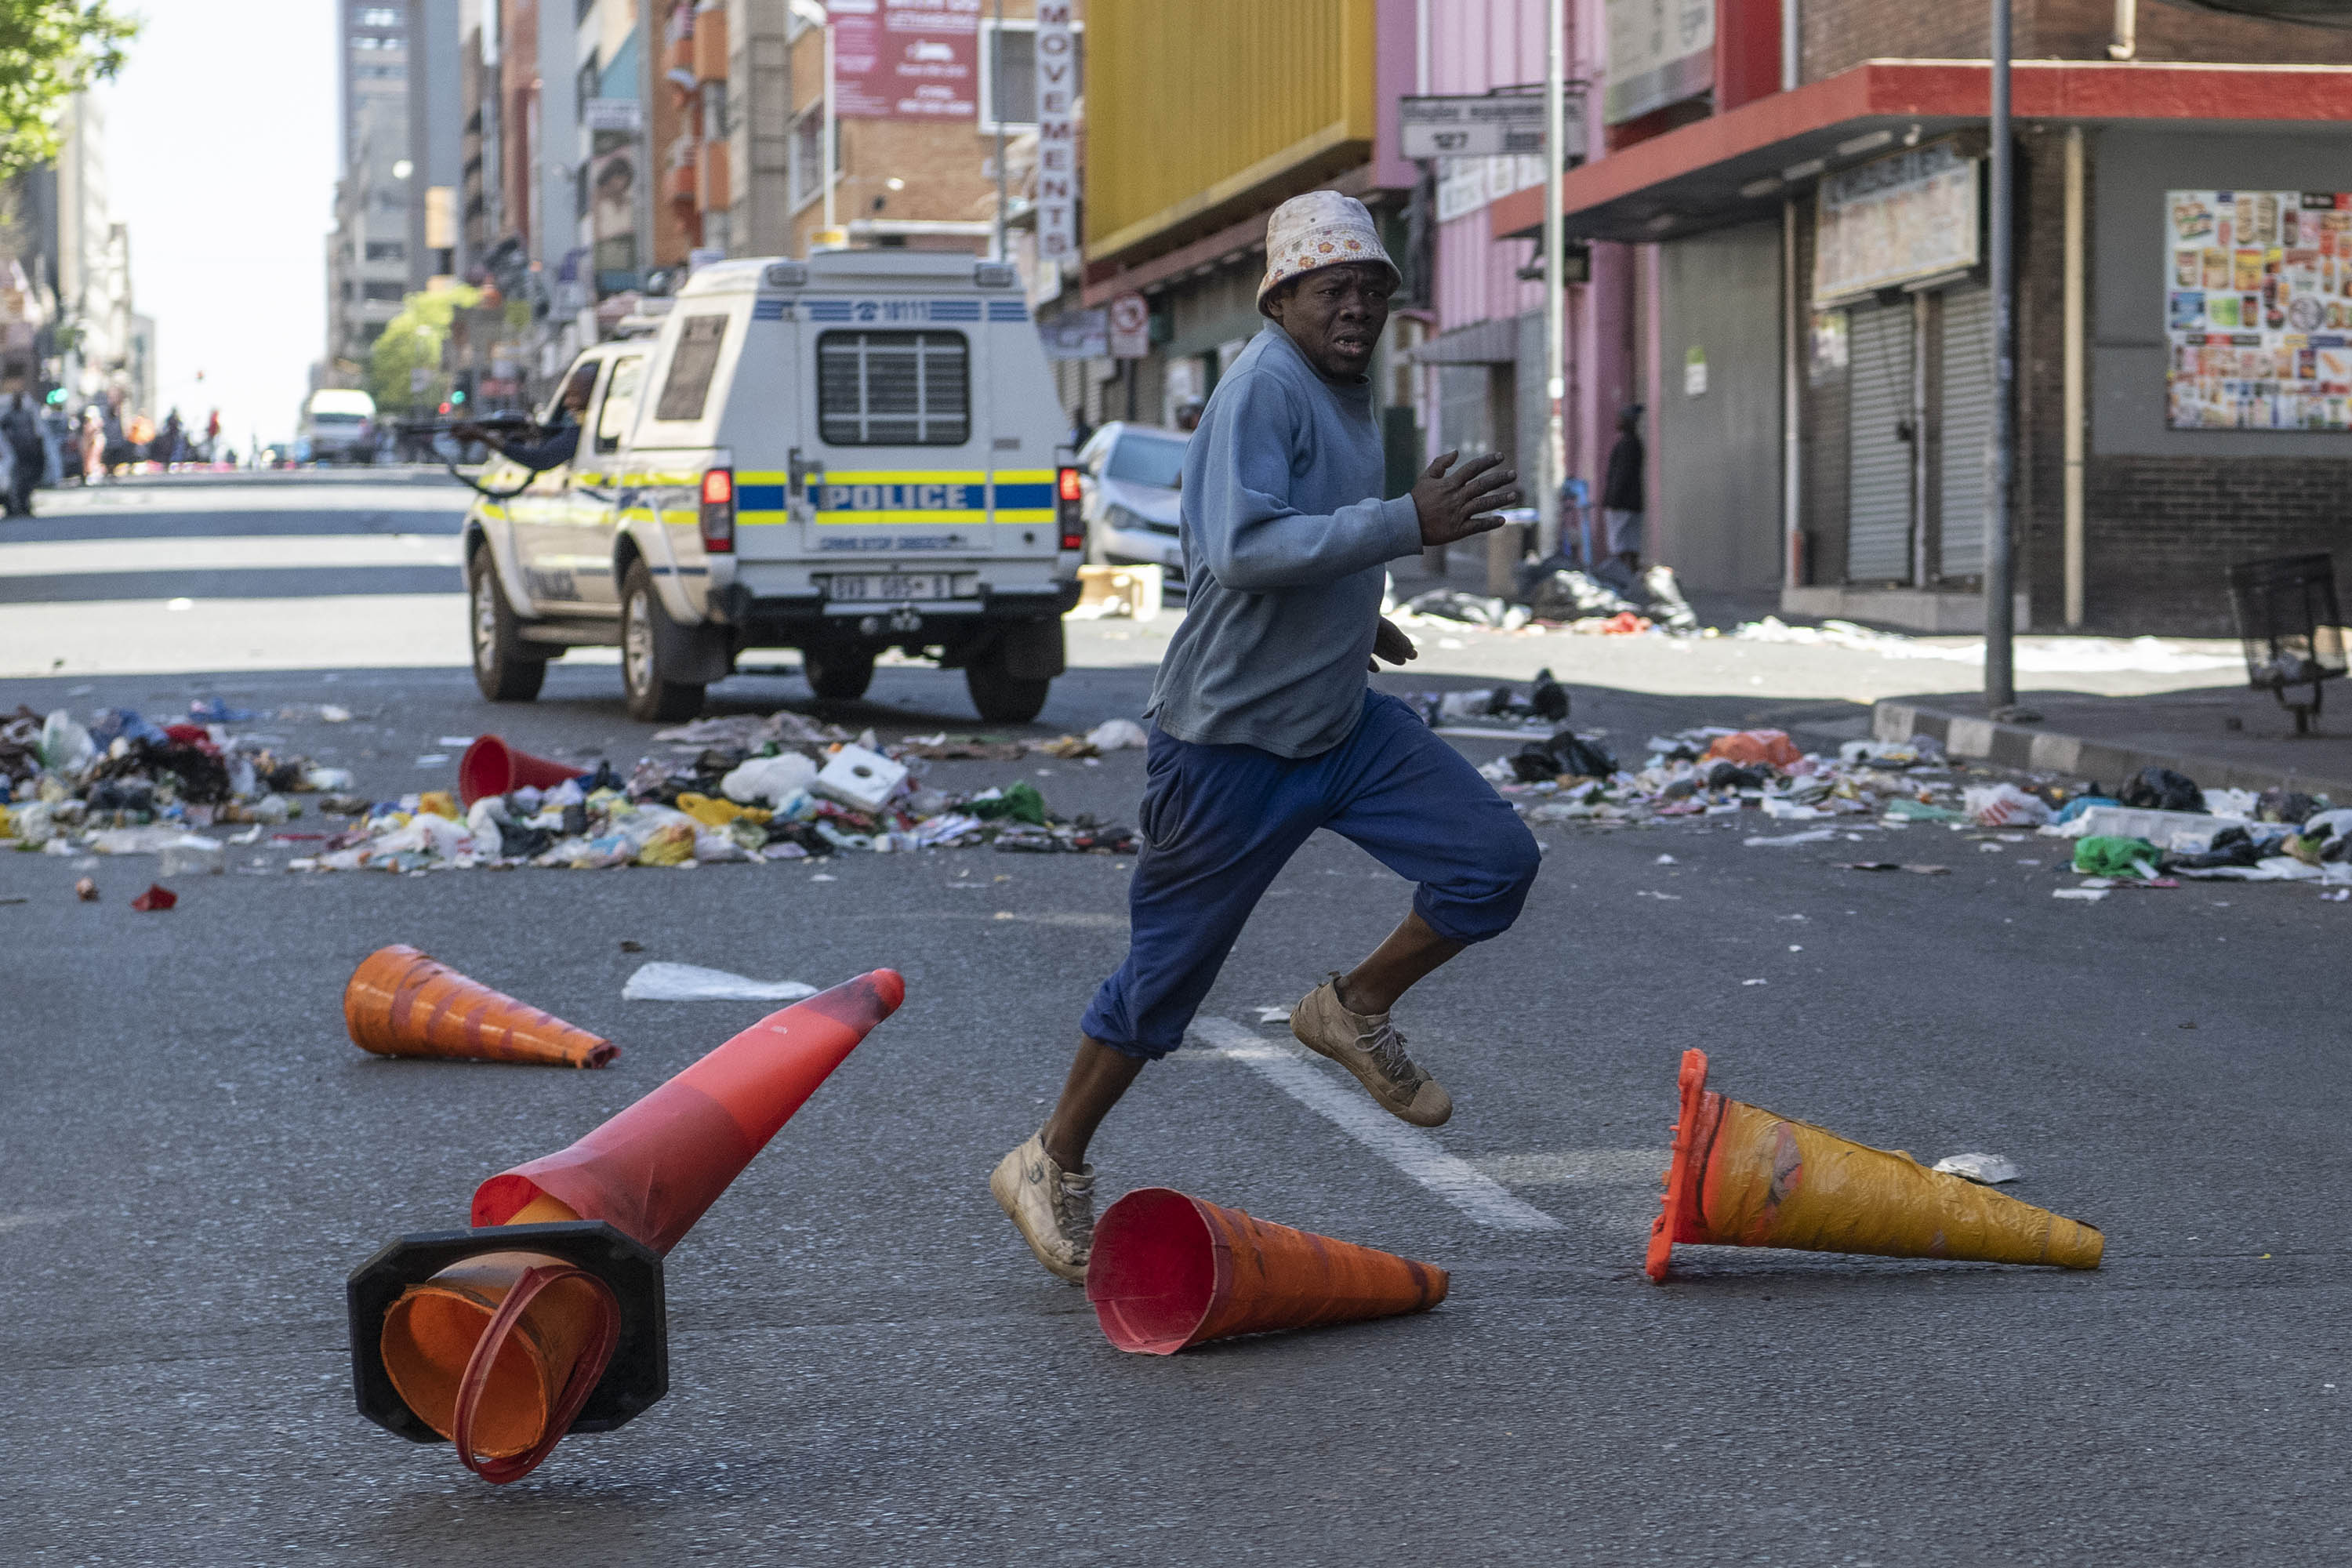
133, 636
1344, 1105
1578, 1168
235, 552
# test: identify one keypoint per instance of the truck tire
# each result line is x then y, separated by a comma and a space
1004, 698
650, 697
506, 668
838, 675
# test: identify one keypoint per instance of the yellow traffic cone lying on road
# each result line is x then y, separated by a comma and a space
1742, 1176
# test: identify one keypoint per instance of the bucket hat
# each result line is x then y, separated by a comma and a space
1322, 228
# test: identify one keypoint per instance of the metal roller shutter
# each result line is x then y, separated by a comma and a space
1878, 464
1966, 431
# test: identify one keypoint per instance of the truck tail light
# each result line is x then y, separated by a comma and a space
718, 511
1065, 509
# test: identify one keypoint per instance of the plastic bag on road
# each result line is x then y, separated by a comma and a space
2004, 805
693, 983
66, 746
1987, 1169
1117, 735
769, 779
2112, 856
2161, 789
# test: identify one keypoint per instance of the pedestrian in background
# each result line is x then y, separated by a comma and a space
93, 444
1622, 492
1263, 728
29, 455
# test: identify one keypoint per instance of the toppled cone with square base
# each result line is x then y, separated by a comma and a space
547, 1316
399, 1003
1170, 1271
1744, 1177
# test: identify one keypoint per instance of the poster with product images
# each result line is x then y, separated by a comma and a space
2258, 310
906, 59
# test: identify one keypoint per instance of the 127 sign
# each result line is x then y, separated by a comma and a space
1488, 125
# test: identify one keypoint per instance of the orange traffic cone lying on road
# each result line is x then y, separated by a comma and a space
1170, 1271
399, 1003
1744, 1177
548, 1317
490, 766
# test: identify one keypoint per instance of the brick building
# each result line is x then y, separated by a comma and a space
1809, 319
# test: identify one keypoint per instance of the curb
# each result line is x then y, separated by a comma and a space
2030, 749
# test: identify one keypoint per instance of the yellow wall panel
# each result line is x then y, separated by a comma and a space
1193, 105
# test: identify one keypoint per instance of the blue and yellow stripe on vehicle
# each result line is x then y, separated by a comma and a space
858, 498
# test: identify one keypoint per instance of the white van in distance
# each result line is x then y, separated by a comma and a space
859, 451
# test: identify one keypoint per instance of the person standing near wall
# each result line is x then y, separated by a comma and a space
1622, 495
1263, 728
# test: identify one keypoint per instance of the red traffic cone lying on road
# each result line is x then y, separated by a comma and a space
490, 766
1170, 1271
1744, 1177
399, 1003
548, 1317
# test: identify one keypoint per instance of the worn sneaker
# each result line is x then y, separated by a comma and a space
1053, 1208
1369, 1046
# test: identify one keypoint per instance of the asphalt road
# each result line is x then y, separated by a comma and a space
866, 1366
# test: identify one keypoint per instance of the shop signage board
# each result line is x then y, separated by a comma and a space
2258, 310
1483, 125
1660, 52
906, 59
1894, 221
1076, 334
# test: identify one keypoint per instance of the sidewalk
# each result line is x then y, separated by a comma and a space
2223, 737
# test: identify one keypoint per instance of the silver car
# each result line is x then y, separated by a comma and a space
1129, 477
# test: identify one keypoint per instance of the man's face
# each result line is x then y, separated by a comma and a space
1335, 315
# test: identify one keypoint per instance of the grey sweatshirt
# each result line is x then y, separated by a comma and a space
1284, 543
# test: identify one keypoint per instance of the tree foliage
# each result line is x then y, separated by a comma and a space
50, 50
411, 340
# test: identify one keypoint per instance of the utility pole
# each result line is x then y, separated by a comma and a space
2000, 600
996, 92
1555, 265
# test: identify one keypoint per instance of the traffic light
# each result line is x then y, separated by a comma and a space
57, 398
457, 397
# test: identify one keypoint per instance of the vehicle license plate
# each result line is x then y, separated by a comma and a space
891, 585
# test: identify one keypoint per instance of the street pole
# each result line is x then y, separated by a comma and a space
1555, 451
996, 92
1999, 601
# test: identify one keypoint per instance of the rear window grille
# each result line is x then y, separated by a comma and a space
691, 366
894, 389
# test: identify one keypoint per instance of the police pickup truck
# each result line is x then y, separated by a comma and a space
859, 451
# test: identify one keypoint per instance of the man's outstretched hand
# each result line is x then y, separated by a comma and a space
1458, 500
1390, 644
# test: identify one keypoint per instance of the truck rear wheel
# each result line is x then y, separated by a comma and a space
1001, 697
838, 675
504, 670
651, 697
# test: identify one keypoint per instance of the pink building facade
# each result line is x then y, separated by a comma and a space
1481, 370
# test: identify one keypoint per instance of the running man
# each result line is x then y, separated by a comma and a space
1264, 730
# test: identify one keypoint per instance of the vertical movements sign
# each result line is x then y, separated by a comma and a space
906, 59
1057, 150
2258, 310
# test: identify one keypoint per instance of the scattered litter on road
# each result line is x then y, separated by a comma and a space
1274, 1015
155, 899
86, 890
2085, 895
693, 983
1817, 835
1986, 1169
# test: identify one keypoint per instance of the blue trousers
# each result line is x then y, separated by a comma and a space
1218, 823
